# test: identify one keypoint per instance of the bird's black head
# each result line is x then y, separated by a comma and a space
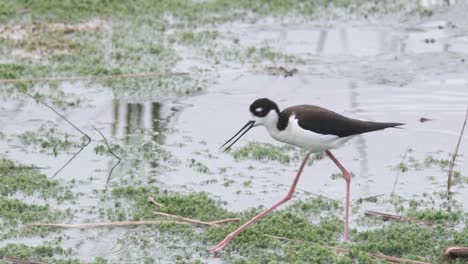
261, 107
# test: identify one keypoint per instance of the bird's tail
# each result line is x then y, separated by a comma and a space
374, 126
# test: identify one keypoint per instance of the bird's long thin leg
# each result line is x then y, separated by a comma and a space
347, 176
229, 237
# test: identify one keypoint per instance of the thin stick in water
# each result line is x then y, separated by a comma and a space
109, 224
112, 153
69, 122
397, 218
454, 157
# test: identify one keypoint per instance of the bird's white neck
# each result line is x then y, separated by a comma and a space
270, 122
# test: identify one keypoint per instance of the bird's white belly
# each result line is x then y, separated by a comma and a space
308, 140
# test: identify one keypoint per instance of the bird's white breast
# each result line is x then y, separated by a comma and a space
314, 142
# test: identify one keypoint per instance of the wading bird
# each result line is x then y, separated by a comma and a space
309, 127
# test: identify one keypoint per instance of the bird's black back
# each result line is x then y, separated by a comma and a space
322, 121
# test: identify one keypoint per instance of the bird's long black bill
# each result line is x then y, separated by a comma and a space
245, 128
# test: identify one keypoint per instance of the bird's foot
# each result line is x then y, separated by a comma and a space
222, 244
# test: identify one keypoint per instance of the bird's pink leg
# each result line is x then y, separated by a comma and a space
347, 176
229, 237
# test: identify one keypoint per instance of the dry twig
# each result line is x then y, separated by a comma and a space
109, 224
184, 219
449, 180
345, 250
112, 153
153, 201
198, 222
69, 122
15, 260
222, 221
180, 220
397, 218
456, 252
104, 77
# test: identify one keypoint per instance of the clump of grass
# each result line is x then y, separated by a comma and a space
409, 240
24, 252
14, 214
28, 182
48, 139
43, 253
21, 178
22, 69
260, 151
197, 38
14, 211
195, 205
198, 166
436, 215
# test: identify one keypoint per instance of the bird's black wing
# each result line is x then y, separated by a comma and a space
322, 121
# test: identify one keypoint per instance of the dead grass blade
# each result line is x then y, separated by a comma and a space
15, 260
109, 224
397, 218
153, 201
184, 219
198, 222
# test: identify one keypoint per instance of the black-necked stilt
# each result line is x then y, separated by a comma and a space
312, 128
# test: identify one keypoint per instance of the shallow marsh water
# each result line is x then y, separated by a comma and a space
400, 69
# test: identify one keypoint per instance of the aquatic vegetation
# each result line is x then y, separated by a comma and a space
25, 252
289, 234
48, 139
18, 178
19, 253
283, 154
23, 181
198, 166
260, 151
99, 39
194, 205
189, 11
